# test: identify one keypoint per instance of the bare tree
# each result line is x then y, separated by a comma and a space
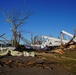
16, 18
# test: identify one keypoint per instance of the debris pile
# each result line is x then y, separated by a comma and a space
16, 53
11, 63
59, 51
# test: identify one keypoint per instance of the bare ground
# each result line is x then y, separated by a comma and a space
32, 66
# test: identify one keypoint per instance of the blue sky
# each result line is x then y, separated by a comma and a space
48, 17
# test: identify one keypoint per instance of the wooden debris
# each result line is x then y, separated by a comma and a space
39, 63
60, 51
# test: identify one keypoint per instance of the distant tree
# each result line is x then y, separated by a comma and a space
16, 18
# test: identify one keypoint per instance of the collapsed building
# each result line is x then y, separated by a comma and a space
44, 43
51, 42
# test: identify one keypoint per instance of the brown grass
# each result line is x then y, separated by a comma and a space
66, 60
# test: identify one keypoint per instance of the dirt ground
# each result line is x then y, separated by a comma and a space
41, 67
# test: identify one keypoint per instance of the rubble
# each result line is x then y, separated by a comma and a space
16, 53
39, 63
59, 51
72, 46
3, 52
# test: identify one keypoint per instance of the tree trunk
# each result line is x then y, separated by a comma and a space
15, 41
